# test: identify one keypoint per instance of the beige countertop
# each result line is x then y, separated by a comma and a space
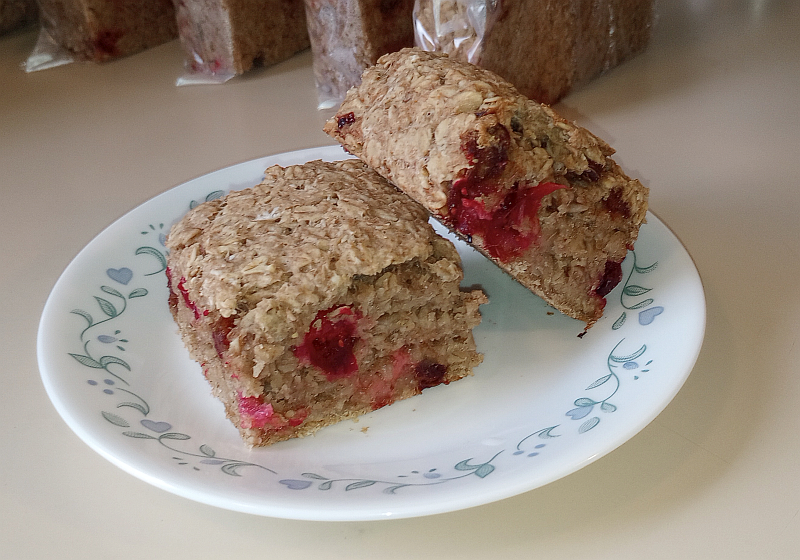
708, 118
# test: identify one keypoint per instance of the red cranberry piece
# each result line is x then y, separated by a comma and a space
512, 225
381, 401
592, 174
507, 230
488, 162
298, 418
254, 412
186, 299
344, 120
617, 205
611, 277
429, 374
329, 342
220, 335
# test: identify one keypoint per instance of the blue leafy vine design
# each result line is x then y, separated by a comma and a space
112, 304
646, 316
466, 467
164, 435
111, 311
584, 406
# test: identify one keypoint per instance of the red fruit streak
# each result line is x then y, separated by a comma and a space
329, 342
506, 230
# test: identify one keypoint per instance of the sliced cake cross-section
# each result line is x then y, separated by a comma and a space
320, 294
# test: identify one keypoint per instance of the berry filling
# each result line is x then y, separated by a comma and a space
344, 120
186, 299
611, 277
480, 204
328, 344
255, 413
592, 174
381, 387
220, 335
487, 162
429, 374
509, 228
617, 205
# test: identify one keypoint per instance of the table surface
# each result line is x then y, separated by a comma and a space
708, 118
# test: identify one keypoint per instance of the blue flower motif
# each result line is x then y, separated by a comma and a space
295, 484
648, 315
580, 412
431, 474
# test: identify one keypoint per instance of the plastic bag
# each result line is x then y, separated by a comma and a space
544, 48
455, 27
46, 54
222, 39
347, 36
99, 30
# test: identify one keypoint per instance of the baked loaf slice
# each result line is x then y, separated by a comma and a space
16, 13
228, 37
348, 36
537, 194
546, 49
100, 30
318, 295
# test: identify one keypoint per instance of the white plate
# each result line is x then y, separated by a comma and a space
543, 404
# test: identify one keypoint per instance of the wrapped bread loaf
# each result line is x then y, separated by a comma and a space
347, 36
546, 49
224, 38
100, 30
16, 13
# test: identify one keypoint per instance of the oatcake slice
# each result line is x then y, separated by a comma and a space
320, 294
538, 195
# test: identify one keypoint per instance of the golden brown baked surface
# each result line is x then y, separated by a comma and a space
537, 194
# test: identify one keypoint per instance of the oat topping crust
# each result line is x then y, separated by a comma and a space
413, 108
294, 242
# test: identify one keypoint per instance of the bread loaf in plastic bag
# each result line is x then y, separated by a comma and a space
545, 48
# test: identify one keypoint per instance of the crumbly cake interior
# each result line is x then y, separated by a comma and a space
318, 295
537, 194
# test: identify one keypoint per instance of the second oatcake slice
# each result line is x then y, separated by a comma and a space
537, 194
